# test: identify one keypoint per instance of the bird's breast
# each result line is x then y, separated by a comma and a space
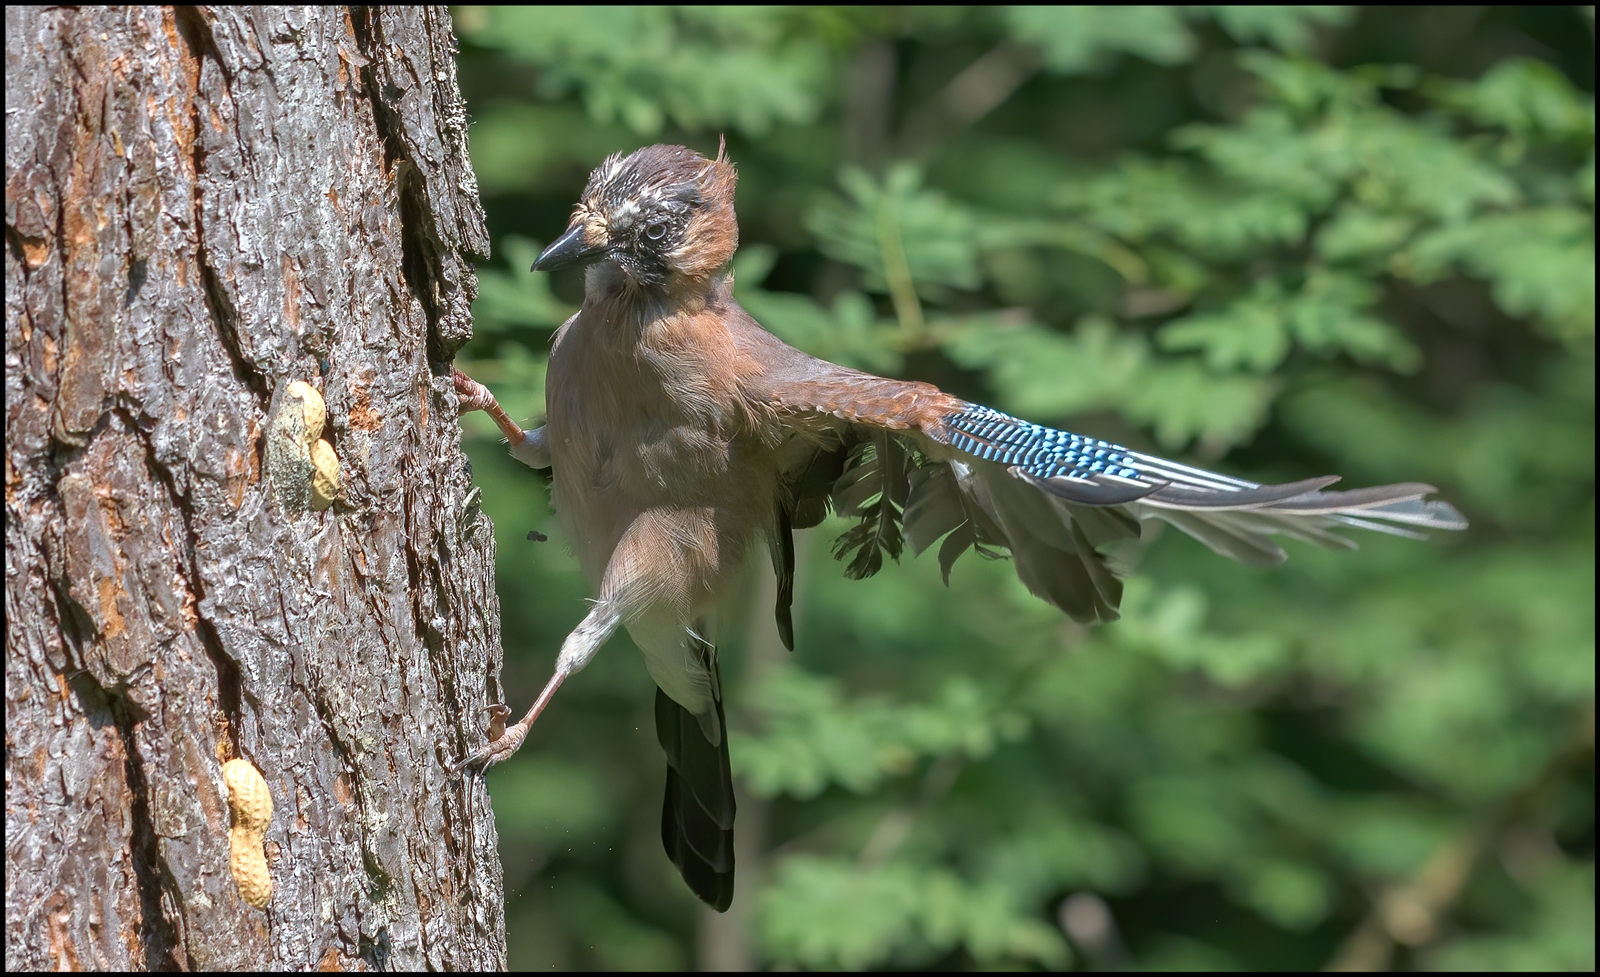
648, 421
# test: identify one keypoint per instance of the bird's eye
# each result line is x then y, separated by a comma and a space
655, 230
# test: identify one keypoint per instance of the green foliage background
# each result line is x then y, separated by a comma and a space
1278, 241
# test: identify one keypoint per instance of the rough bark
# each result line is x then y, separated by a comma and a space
202, 206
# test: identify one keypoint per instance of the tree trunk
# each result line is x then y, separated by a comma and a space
204, 205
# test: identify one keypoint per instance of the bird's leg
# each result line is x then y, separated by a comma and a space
510, 739
528, 447
576, 651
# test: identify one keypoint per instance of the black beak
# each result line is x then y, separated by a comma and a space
567, 249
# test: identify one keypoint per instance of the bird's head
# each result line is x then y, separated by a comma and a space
664, 214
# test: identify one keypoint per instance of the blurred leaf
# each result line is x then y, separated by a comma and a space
1178, 953
1247, 334
618, 942
1292, 894
1331, 314
1058, 851
828, 913
1559, 935
1142, 201
1387, 836
814, 737
877, 220
1289, 28
520, 297
549, 801
1358, 233
1527, 97
1045, 374
641, 65
1540, 263
1078, 39
849, 333
518, 147
1196, 823
1182, 401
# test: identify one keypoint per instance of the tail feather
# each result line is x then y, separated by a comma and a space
698, 809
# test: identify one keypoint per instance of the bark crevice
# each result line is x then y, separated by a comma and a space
161, 943
229, 682
202, 45
420, 245
224, 314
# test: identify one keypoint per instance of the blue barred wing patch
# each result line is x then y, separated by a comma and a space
1040, 451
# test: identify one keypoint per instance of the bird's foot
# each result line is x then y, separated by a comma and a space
472, 394
502, 743
505, 740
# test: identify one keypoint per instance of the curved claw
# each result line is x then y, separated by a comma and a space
498, 749
471, 394
497, 719
505, 740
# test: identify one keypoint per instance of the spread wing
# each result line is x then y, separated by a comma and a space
915, 465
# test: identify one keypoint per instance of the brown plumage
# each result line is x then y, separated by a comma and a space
680, 433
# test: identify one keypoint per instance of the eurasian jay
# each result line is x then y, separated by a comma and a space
680, 433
